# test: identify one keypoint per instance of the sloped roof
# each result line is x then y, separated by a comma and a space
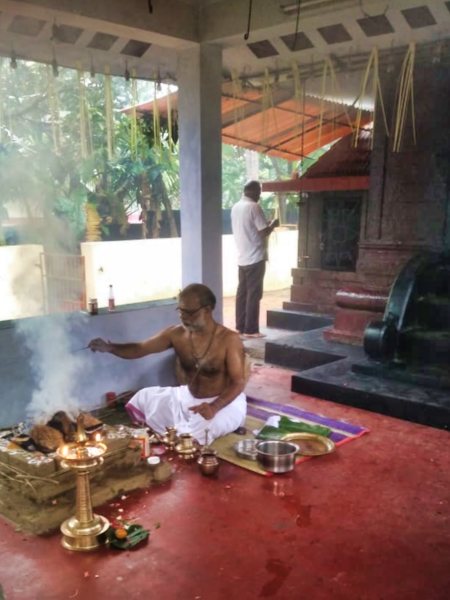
343, 167
287, 128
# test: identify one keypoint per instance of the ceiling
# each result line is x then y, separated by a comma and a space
145, 36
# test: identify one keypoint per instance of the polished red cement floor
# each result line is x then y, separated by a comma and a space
367, 522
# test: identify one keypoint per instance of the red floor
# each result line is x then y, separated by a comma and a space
370, 521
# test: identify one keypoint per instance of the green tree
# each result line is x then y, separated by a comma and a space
43, 168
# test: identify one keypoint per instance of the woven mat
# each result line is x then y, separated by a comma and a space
258, 412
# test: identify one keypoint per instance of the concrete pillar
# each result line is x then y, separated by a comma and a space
199, 118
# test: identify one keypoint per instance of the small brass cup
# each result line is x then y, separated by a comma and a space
186, 441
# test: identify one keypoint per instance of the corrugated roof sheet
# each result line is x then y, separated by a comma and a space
287, 128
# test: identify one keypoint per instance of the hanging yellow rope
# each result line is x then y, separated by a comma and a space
334, 91
109, 116
266, 104
298, 95
156, 118
169, 122
87, 111
2, 111
322, 99
133, 122
53, 103
373, 63
405, 98
84, 144
93, 222
237, 94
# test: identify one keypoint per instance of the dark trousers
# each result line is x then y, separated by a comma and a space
248, 296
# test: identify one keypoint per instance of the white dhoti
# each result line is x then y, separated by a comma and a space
161, 407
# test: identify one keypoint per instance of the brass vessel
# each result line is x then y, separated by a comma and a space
85, 530
208, 463
170, 439
187, 446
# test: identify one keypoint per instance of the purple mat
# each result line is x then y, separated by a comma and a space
341, 431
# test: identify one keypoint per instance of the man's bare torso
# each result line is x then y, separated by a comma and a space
205, 373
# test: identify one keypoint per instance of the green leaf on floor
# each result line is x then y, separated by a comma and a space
286, 425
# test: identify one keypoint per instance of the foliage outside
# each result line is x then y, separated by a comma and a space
54, 163
76, 170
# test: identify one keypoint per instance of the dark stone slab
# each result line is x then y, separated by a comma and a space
426, 376
306, 343
403, 400
296, 358
297, 321
325, 371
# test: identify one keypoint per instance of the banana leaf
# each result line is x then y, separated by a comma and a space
136, 535
286, 425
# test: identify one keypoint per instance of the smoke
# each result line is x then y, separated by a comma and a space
57, 369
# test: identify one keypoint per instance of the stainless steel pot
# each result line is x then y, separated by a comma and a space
276, 456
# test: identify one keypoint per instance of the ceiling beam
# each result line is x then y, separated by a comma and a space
131, 19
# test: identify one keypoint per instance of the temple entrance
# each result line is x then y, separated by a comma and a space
340, 232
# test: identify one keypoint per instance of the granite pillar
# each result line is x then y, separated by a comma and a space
409, 189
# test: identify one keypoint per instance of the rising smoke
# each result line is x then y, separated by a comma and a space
56, 367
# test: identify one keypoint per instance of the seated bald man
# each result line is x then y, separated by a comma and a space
211, 359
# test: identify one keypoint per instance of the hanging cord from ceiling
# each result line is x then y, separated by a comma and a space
249, 19
297, 23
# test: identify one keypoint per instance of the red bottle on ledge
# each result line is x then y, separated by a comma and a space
111, 301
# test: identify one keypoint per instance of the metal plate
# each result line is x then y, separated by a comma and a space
311, 444
246, 448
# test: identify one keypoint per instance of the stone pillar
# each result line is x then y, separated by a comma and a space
409, 190
199, 118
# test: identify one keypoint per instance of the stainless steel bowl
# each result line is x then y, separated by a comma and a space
276, 456
246, 448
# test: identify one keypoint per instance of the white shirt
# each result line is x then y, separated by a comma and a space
247, 222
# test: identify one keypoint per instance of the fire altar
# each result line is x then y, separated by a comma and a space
38, 490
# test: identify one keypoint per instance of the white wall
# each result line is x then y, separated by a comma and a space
282, 259
140, 270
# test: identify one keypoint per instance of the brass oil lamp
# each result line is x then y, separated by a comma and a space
85, 530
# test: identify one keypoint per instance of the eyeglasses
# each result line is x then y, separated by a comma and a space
190, 313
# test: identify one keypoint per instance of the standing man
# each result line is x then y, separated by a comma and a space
211, 360
250, 229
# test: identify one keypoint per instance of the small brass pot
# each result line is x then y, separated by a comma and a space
208, 463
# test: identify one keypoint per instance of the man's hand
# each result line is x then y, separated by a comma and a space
99, 345
206, 410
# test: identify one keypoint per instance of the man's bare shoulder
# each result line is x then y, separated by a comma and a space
170, 334
175, 332
230, 336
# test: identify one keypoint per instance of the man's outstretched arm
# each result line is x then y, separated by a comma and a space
157, 343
